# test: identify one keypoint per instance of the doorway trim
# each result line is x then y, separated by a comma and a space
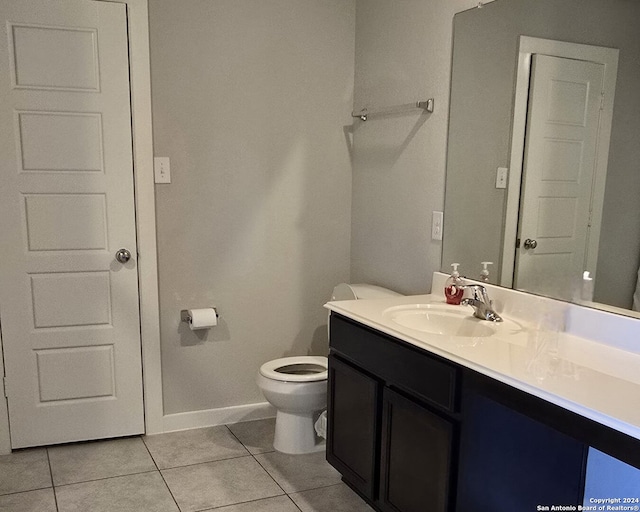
140, 88
527, 47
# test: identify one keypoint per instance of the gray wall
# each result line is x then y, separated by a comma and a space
486, 45
250, 98
403, 54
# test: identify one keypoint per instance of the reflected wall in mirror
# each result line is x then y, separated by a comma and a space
480, 225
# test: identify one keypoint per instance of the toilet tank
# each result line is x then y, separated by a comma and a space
345, 291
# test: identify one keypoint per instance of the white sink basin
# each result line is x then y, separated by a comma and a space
444, 320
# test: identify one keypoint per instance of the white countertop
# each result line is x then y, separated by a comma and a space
591, 378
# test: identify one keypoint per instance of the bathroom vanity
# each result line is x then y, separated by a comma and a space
483, 418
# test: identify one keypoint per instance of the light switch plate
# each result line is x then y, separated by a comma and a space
162, 169
501, 177
437, 221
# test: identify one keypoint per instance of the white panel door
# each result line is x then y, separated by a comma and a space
559, 163
69, 310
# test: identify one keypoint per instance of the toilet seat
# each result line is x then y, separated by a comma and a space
296, 369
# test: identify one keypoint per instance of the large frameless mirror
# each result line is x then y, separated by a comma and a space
543, 164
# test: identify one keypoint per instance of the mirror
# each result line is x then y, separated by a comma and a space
500, 53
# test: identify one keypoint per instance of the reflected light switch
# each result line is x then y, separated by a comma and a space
436, 225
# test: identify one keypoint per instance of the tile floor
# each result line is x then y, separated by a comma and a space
228, 469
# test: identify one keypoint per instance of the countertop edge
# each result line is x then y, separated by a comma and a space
569, 405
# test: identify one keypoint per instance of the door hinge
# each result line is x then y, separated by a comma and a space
517, 243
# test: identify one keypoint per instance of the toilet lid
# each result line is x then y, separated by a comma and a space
296, 369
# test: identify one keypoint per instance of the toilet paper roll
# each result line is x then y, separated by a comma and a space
202, 318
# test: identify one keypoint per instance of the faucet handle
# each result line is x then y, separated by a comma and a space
479, 292
482, 305
485, 296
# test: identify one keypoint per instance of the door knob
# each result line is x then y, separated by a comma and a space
530, 244
123, 255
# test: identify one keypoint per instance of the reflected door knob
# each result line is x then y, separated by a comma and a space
530, 244
123, 255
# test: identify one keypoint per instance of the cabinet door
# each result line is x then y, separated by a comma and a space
510, 462
352, 424
416, 457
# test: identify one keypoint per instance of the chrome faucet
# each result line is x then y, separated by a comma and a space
480, 302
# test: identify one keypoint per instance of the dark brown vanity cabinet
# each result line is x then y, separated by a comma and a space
413, 432
390, 433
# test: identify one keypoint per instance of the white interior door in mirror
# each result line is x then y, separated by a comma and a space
559, 168
69, 310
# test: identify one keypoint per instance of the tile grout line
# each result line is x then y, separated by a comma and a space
106, 478
220, 508
246, 454
149, 452
294, 503
316, 488
288, 495
204, 462
160, 473
2, 495
53, 486
241, 456
170, 491
263, 468
270, 476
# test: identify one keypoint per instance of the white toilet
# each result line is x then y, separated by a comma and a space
297, 386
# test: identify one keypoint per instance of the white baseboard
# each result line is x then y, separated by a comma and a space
213, 417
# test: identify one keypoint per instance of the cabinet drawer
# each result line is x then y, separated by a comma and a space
399, 364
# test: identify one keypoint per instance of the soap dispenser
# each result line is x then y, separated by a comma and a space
484, 275
453, 289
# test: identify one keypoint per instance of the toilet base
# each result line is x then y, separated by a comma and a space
295, 434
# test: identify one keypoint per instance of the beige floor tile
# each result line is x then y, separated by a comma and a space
256, 436
193, 446
41, 500
220, 483
145, 492
336, 498
24, 470
277, 504
299, 472
100, 459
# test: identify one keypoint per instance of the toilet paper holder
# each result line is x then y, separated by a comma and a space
185, 317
